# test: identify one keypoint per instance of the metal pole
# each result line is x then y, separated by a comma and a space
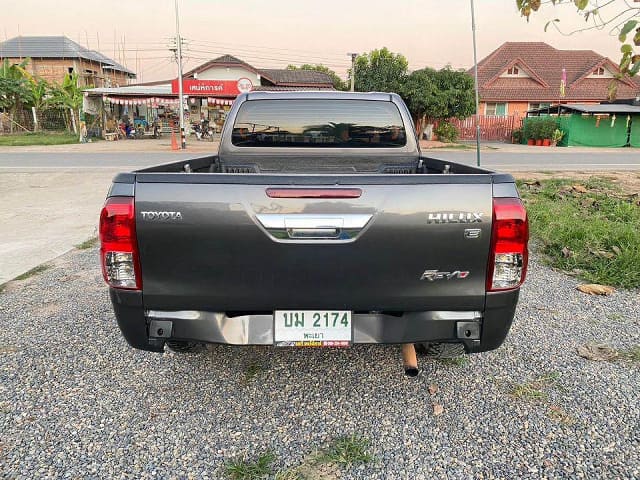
475, 68
353, 70
183, 140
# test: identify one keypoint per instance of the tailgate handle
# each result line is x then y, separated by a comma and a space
313, 232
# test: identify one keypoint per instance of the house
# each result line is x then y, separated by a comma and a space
520, 76
51, 58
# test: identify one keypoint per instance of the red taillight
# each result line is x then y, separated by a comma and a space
314, 192
509, 237
119, 255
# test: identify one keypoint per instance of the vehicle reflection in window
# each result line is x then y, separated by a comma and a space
316, 123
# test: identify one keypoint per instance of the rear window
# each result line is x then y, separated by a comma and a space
318, 123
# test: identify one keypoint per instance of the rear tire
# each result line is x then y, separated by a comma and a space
440, 350
185, 347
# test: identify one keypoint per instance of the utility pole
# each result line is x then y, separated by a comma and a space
353, 70
475, 68
183, 139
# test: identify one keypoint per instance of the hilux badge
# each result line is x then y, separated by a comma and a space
454, 217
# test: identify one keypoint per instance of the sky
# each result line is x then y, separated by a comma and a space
274, 34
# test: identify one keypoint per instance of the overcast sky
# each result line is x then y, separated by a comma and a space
276, 33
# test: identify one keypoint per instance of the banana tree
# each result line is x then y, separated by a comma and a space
69, 96
15, 88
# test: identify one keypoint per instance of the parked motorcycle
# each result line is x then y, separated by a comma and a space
203, 131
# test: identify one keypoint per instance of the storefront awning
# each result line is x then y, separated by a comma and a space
149, 101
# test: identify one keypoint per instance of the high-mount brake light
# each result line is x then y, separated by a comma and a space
314, 192
509, 255
119, 254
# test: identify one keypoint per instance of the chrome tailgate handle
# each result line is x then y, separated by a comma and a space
313, 233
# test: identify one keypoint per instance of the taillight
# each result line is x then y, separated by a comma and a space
509, 237
118, 245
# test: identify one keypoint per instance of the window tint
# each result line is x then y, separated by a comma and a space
318, 123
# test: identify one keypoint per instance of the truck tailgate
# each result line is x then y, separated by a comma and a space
232, 247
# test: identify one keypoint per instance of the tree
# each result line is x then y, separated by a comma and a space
380, 71
619, 17
14, 88
438, 94
338, 83
68, 96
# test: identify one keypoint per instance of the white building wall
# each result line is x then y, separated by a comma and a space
228, 73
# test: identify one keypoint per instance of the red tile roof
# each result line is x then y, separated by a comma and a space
544, 65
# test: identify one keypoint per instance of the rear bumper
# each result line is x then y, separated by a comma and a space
479, 331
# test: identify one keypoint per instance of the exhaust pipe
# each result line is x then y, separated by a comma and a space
410, 360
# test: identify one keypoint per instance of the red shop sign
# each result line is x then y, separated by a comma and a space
213, 87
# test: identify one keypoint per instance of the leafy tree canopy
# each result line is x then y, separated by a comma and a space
438, 94
619, 17
338, 83
380, 71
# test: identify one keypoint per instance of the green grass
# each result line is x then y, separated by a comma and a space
535, 389
600, 228
34, 271
632, 354
37, 139
89, 243
347, 451
253, 370
461, 361
243, 469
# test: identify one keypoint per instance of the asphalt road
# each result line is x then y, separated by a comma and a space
502, 160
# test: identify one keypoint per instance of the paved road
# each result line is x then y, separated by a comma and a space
509, 159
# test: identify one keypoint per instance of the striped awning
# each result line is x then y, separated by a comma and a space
149, 101
218, 101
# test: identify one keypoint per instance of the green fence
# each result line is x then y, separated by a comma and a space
635, 131
587, 131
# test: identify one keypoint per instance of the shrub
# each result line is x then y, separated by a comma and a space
446, 132
517, 135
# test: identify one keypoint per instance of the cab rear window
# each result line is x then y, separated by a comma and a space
318, 123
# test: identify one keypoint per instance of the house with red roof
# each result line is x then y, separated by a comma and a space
520, 76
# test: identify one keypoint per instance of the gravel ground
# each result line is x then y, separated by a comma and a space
77, 402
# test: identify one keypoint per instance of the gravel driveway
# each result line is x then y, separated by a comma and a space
77, 402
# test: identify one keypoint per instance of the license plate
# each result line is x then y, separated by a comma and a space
312, 328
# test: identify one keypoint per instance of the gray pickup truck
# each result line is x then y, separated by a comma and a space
318, 223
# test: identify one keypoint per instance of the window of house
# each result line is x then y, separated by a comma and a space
599, 71
70, 70
513, 71
499, 109
534, 106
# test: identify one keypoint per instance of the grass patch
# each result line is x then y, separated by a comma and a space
535, 389
41, 138
243, 469
254, 369
90, 243
33, 272
591, 230
461, 361
632, 354
347, 451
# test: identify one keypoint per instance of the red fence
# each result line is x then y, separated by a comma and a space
492, 128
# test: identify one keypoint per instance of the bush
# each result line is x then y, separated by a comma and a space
517, 135
539, 128
446, 132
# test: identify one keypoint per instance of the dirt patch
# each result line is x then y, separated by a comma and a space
629, 182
